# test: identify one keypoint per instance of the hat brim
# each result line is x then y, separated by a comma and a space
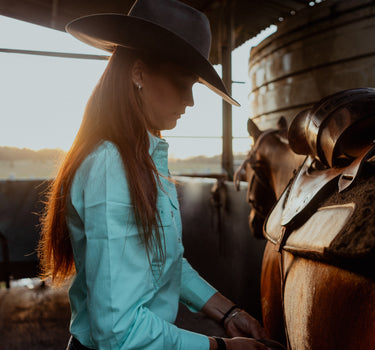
106, 31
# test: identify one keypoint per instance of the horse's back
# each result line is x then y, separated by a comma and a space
327, 307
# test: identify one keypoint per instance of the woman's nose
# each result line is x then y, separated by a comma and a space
188, 98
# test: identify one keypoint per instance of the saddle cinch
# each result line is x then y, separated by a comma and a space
318, 215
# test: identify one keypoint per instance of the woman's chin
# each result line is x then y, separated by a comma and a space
170, 125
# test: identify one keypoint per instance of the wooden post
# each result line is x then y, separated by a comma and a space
226, 56
54, 13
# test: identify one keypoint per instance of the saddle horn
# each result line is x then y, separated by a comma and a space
297, 133
282, 123
336, 128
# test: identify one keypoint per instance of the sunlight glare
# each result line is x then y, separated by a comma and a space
43, 98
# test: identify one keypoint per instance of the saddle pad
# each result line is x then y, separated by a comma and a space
318, 232
339, 233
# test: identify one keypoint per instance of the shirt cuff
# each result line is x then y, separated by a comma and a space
195, 291
191, 340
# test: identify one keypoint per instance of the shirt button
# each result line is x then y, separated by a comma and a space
172, 213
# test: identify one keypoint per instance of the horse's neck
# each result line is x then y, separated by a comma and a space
283, 169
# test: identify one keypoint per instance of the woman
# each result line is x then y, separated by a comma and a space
112, 220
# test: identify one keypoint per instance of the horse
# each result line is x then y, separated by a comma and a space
268, 168
308, 302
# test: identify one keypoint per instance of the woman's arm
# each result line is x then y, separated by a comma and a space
197, 294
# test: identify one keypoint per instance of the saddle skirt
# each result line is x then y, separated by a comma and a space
314, 216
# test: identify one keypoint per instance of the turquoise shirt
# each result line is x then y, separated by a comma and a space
117, 300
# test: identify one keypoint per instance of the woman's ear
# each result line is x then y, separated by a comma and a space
138, 73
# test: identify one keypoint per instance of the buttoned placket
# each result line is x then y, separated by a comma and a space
160, 151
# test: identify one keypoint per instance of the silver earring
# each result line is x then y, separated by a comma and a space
139, 86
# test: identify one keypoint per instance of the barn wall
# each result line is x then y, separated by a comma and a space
217, 239
19, 203
319, 51
228, 257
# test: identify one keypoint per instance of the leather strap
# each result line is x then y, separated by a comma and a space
220, 344
306, 186
350, 173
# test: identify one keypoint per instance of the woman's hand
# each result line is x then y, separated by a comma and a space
244, 343
240, 324
239, 344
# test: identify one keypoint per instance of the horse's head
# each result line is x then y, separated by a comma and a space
267, 169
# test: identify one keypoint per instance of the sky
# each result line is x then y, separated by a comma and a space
42, 99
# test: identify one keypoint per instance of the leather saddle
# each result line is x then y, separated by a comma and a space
302, 222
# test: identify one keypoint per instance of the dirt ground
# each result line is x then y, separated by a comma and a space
35, 317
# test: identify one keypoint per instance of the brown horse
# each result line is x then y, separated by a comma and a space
268, 168
312, 304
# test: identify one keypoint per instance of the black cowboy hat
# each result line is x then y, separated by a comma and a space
168, 28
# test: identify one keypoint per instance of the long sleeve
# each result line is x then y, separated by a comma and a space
122, 290
195, 291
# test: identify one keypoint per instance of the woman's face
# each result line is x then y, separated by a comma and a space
165, 93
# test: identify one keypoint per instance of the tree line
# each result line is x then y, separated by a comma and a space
14, 153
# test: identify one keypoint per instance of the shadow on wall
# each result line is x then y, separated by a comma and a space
218, 241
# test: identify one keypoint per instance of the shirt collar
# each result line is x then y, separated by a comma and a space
157, 143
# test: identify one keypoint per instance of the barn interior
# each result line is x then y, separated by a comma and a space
320, 47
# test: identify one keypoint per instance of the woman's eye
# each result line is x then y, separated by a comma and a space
184, 82
181, 83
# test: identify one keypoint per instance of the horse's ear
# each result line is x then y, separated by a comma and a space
282, 124
253, 129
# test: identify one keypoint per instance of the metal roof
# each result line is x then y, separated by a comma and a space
249, 17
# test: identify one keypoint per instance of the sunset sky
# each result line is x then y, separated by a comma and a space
42, 98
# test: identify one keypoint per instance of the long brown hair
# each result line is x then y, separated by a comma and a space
114, 113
